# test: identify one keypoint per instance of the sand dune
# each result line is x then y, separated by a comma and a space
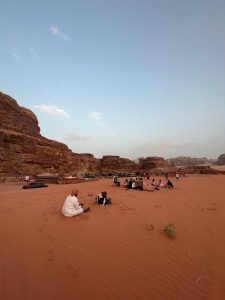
114, 252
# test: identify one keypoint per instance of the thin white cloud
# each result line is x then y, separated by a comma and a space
121, 116
15, 55
57, 32
52, 110
95, 115
75, 137
33, 52
113, 133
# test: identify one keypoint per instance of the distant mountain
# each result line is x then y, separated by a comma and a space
220, 160
189, 161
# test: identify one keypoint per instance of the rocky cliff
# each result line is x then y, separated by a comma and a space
188, 161
152, 162
24, 150
220, 160
114, 163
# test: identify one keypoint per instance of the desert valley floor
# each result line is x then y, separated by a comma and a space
118, 251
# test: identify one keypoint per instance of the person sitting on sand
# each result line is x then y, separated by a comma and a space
102, 199
139, 184
126, 183
153, 182
130, 183
114, 179
160, 184
72, 207
134, 184
169, 184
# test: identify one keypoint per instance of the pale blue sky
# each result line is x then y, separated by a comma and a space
127, 77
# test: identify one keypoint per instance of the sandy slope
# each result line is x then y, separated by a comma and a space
112, 252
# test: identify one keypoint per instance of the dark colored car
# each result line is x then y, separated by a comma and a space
34, 185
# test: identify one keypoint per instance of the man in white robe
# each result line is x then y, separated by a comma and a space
72, 207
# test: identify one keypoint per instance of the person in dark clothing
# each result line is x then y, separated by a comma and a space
169, 184
130, 183
102, 199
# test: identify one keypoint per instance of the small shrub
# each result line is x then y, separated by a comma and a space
170, 230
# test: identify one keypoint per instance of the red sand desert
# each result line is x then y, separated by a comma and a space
114, 252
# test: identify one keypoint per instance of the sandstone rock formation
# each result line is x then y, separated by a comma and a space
14, 118
152, 162
116, 163
188, 161
199, 170
24, 150
220, 160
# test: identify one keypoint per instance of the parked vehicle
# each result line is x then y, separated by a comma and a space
34, 185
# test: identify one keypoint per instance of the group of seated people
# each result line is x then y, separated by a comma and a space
160, 184
72, 207
134, 183
138, 184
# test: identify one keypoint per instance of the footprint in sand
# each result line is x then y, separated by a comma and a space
125, 208
70, 268
50, 256
75, 274
158, 206
8, 210
53, 213
50, 238
149, 227
41, 228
